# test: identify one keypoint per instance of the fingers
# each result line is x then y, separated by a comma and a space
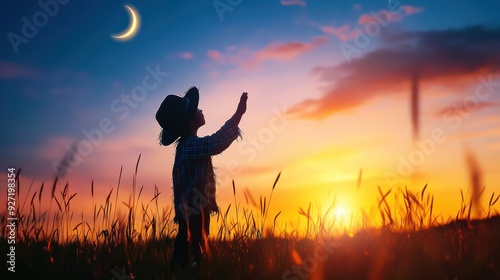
242, 106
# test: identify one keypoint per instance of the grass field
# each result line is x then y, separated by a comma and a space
411, 242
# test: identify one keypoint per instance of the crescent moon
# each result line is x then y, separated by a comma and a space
133, 26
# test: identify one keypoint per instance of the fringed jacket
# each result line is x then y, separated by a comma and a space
193, 173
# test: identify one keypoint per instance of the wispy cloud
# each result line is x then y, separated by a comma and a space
356, 7
411, 10
38, 81
388, 16
180, 55
348, 32
464, 108
186, 55
283, 51
382, 15
294, 2
442, 57
215, 55
9, 70
245, 58
484, 133
344, 33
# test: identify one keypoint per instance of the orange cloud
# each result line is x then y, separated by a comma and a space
344, 33
465, 108
285, 51
386, 16
247, 59
450, 57
293, 2
382, 17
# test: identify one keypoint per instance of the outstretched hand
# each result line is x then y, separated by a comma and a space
242, 106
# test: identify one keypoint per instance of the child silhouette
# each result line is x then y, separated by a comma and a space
193, 174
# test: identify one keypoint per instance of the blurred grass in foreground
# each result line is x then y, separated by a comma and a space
411, 242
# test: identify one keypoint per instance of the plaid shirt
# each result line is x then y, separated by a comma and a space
193, 173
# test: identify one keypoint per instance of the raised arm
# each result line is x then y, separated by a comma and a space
220, 140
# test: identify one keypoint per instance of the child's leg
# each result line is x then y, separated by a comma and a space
180, 256
200, 225
196, 235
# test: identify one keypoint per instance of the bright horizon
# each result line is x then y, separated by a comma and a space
331, 112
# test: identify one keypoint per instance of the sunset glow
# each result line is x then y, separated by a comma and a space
350, 139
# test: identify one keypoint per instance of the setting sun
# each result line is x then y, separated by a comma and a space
343, 217
342, 213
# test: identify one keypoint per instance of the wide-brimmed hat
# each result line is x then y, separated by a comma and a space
175, 113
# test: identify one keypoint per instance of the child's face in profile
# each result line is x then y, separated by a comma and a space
198, 119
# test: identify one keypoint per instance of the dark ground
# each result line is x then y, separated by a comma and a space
458, 250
